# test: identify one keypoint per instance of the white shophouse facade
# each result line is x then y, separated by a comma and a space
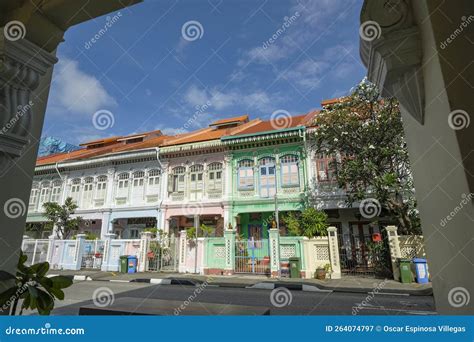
109, 191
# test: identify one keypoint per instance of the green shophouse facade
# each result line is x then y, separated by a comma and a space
264, 165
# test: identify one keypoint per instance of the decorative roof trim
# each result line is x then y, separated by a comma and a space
253, 137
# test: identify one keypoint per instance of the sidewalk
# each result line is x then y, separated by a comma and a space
345, 284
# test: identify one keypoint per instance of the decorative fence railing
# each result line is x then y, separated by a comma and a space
214, 255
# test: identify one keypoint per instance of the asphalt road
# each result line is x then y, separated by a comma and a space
297, 302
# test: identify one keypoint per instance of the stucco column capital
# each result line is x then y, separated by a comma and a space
390, 47
22, 64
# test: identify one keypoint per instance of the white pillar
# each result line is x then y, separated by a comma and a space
25, 76
49, 254
274, 239
105, 224
145, 238
394, 246
109, 196
334, 253
79, 250
182, 252
229, 236
106, 256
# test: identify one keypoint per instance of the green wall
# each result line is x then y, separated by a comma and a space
289, 199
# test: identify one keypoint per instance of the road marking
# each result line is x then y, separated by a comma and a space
119, 281
160, 281
392, 294
263, 286
311, 288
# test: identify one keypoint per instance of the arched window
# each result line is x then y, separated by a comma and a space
266, 161
245, 174
267, 177
101, 188
138, 186
177, 182
289, 170
153, 187
325, 168
34, 196
44, 192
75, 190
88, 193
122, 185
56, 191
196, 183
214, 176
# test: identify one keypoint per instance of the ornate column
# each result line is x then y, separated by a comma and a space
21, 66
394, 245
417, 52
182, 252
274, 239
229, 236
24, 68
79, 249
106, 256
145, 238
334, 253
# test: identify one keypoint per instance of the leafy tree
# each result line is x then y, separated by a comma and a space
365, 133
309, 223
33, 287
60, 216
204, 231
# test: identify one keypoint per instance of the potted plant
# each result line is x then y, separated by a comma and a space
320, 273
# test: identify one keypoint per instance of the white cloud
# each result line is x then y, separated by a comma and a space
74, 91
333, 62
223, 100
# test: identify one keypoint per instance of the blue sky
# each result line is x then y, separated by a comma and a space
143, 71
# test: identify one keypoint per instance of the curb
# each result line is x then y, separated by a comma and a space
291, 287
261, 285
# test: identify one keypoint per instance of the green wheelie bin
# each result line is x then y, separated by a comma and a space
295, 267
405, 270
123, 263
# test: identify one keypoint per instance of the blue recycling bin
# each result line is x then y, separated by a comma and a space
132, 264
421, 268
